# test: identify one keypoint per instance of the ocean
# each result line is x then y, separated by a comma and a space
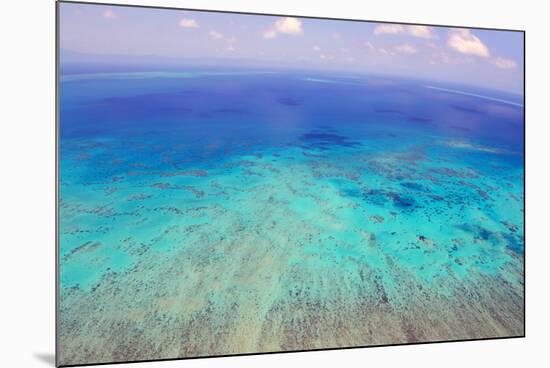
226, 212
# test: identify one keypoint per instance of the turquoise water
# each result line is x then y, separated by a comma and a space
222, 213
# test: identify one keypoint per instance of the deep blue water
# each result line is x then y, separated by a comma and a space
281, 106
241, 110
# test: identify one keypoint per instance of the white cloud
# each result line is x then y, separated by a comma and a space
109, 14
188, 23
503, 63
405, 49
230, 48
465, 42
287, 25
216, 35
370, 45
388, 29
421, 31
415, 31
316, 48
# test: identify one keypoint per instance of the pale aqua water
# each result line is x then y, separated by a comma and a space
225, 213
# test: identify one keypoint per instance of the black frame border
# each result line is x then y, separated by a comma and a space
57, 196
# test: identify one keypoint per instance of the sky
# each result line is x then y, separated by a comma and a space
485, 58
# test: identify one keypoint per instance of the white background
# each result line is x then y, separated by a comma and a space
27, 182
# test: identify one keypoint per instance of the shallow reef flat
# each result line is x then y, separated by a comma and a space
284, 251
327, 238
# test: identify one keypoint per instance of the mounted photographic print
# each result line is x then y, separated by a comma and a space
233, 183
